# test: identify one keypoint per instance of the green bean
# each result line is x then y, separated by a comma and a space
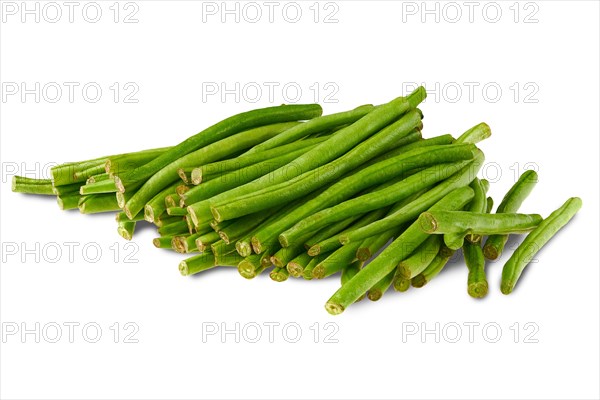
307, 273
199, 195
68, 202
103, 186
335, 262
477, 285
221, 248
156, 206
315, 125
163, 242
251, 266
173, 228
66, 190
212, 152
121, 216
378, 289
399, 249
126, 228
279, 274
535, 241
228, 260
349, 272
412, 210
23, 184
333, 242
402, 285
328, 232
489, 205
332, 148
419, 260
371, 245
226, 128
204, 241
242, 226
196, 264
479, 204
297, 265
217, 169
97, 203
467, 222
476, 134
311, 180
433, 269
510, 204
176, 211
335, 195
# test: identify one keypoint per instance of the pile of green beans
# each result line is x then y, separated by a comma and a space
358, 193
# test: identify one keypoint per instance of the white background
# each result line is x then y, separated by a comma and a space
369, 55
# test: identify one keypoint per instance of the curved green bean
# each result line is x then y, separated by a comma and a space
535, 241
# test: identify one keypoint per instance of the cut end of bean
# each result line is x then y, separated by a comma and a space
216, 214
196, 176
243, 248
193, 216
478, 290
246, 269
491, 252
295, 269
427, 222
128, 212
178, 244
344, 239
506, 287
334, 308
375, 294
363, 254
283, 240
418, 281
124, 233
314, 250
183, 268
148, 213
401, 285
318, 272
119, 184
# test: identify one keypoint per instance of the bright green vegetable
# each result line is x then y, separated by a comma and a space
399, 249
97, 203
311, 180
433, 269
441, 222
279, 274
321, 154
349, 272
336, 261
315, 125
126, 228
510, 204
410, 211
476, 134
298, 264
477, 285
535, 241
432, 157
22, 184
419, 260
377, 291
212, 152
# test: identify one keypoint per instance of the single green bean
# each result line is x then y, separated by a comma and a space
279, 274
433, 269
297, 265
477, 285
126, 229
535, 241
419, 260
97, 203
479, 204
467, 222
378, 289
23, 184
349, 272
510, 204
476, 134
336, 261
